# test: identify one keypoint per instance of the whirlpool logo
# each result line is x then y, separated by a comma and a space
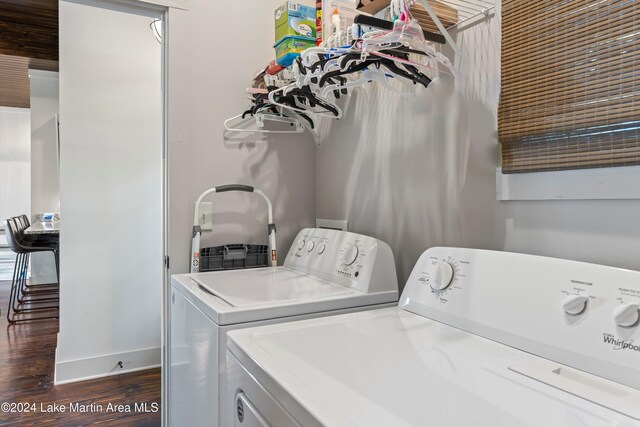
619, 344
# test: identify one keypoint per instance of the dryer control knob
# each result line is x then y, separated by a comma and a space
350, 255
301, 243
443, 276
626, 314
310, 246
574, 304
321, 248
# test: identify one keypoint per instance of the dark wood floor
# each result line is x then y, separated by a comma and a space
27, 355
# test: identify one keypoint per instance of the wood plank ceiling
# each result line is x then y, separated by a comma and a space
28, 39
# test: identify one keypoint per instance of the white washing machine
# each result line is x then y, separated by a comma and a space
325, 272
480, 338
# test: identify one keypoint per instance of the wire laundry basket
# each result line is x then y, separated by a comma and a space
234, 257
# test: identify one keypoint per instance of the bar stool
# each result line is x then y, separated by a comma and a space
23, 249
23, 223
23, 301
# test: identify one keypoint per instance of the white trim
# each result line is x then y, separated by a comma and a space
176, 4
334, 224
172, 4
43, 74
584, 184
166, 279
15, 110
104, 366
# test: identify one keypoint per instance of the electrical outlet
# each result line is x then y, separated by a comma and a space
333, 224
205, 216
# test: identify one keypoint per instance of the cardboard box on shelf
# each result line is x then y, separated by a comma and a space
372, 6
293, 19
447, 14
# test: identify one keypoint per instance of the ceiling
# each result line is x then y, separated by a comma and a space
28, 39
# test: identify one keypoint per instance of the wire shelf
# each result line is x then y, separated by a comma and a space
469, 9
451, 12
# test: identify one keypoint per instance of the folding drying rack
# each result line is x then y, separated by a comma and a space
232, 256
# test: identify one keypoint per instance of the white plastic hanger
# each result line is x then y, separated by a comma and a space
310, 55
408, 34
260, 119
366, 76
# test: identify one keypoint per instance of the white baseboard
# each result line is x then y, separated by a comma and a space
103, 366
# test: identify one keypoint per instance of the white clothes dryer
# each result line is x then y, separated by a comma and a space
480, 338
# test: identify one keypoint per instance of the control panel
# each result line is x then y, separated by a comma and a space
583, 315
352, 260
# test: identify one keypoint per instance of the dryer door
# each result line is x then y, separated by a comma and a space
246, 414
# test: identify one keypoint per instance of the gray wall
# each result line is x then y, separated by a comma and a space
215, 49
419, 172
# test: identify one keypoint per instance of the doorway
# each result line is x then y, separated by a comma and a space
112, 168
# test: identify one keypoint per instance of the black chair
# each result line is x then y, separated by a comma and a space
23, 223
20, 302
23, 299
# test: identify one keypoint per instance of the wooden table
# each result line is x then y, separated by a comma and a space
48, 228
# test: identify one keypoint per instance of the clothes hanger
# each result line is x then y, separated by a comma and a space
306, 76
261, 111
404, 32
287, 97
308, 54
370, 21
272, 109
309, 98
366, 76
269, 111
260, 119
408, 72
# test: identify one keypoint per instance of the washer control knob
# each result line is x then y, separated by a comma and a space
350, 255
310, 246
321, 248
626, 314
301, 243
443, 276
574, 304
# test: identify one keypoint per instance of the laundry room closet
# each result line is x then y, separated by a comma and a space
421, 172
337, 213
416, 170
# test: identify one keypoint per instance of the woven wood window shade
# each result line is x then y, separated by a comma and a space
570, 84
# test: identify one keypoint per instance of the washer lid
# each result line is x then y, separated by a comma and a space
389, 367
265, 286
240, 296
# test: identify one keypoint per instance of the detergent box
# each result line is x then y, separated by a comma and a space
294, 19
289, 48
